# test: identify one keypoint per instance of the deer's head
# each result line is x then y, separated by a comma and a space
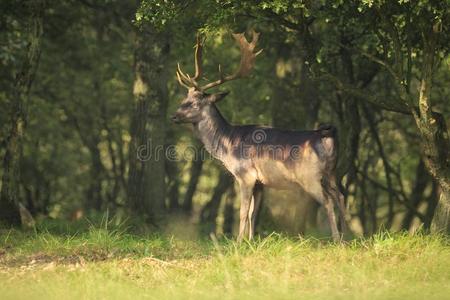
197, 102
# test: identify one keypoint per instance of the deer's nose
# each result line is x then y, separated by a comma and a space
175, 119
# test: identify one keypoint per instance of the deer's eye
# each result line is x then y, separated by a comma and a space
186, 105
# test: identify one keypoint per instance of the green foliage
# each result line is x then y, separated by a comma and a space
158, 13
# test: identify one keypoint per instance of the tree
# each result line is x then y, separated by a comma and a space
146, 179
210, 210
9, 195
397, 26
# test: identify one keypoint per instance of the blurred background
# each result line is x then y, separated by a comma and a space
85, 83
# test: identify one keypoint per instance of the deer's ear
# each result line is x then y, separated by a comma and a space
213, 98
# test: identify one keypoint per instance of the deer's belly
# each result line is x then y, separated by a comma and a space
276, 174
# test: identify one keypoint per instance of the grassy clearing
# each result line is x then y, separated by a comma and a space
110, 263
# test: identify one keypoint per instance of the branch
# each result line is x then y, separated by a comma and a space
376, 60
95, 6
394, 105
389, 105
387, 169
403, 201
393, 32
284, 22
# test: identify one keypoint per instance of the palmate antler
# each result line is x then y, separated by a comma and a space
247, 63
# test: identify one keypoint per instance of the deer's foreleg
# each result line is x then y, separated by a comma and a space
251, 229
246, 201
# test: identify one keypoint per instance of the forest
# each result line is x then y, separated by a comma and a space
94, 171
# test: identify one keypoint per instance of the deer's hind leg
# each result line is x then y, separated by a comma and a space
338, 197
329, 206
319, 190
330, 198
255, 207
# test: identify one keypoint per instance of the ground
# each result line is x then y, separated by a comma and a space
102, 262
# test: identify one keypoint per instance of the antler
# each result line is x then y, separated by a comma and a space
246, 64
247, 60
183, 78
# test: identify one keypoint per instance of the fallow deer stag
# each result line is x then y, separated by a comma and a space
257, 155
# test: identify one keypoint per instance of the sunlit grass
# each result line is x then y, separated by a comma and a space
109, 262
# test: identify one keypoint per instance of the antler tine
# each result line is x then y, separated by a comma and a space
184, 78
187, 80
198, 58
180, 81
247, 59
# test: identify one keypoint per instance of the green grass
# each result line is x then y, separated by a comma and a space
108, 262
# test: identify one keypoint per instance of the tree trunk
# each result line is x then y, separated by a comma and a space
173, 176
210, 211
97, 170
90, 138
436, 156
146, 182
173, 185
432, 202
373, 128
9, 195
434, 134
196, 170
441, 219
228, 214
417, 194
350, 128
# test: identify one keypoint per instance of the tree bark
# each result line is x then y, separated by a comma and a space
417, 194
210, 211
434, 134
441, 219
146, 181
228, 214
350, 128
9, 195
173, 177
173, 185
386, 166
196, 170
90, 138
95, 191
432, 202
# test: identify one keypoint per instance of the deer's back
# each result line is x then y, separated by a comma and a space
281, 158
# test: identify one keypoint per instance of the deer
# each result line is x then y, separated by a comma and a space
260, 156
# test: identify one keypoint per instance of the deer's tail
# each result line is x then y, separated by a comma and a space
329, 140
327, 130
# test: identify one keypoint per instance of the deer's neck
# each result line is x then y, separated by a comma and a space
214, 132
